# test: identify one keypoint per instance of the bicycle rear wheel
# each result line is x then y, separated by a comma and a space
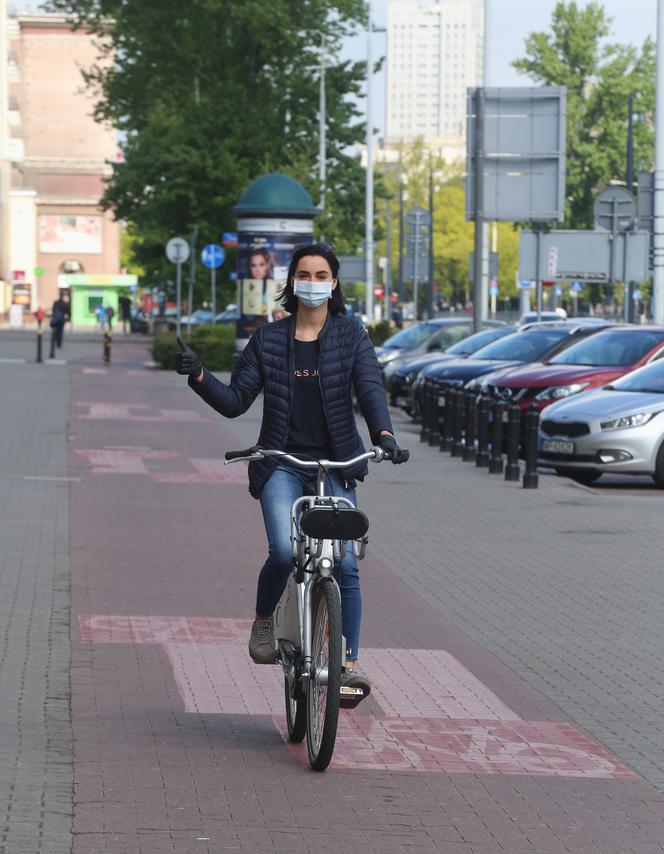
296, 714
324, 684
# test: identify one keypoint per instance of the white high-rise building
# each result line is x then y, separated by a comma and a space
434, 53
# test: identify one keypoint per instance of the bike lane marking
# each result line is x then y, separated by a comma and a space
436, 715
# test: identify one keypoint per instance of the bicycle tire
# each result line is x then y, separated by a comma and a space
325, 650
296, 715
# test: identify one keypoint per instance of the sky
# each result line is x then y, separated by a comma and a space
510, 21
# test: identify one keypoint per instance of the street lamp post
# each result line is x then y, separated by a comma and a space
658, 226
322, 126
369, 195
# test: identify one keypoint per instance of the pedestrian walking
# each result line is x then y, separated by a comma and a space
125, 313
307, 365
101, 317
59, 316
110, 314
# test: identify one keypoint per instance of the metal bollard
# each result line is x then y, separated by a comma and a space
448, 421
424, 400
483, 409
470, 427
512, 470
39, 343
108, 341
434, 425
51, 355
459, 417
496, 459
531, 429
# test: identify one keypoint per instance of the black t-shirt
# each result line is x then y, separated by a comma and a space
308, 433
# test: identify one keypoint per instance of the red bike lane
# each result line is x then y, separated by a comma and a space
180, 740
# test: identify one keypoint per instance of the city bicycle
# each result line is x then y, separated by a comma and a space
307, 620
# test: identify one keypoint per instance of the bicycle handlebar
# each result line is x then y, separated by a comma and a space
257, 453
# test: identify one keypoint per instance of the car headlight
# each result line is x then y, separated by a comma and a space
410, 378
556, 392
478, 384
384, 358
625, 421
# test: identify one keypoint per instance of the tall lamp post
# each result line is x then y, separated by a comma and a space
658, 226
369, 193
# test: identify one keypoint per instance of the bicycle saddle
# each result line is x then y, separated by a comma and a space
328, 523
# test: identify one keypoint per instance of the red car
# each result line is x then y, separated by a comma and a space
591, 363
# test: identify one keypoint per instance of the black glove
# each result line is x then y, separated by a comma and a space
392, 451
186, 361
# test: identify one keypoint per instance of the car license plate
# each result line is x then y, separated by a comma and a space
441, 400
557, 446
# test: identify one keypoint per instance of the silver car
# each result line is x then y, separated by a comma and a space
618, 428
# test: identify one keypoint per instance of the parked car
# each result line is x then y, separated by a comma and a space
426, 337
404, 370
230, 315
528, 345
618, 429
588, 364
531, 316
200, 316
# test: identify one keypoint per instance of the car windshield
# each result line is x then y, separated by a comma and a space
477, 341
612, 348
408, 339
526, 346
647, 380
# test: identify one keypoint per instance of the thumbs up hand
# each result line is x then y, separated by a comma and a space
187, 362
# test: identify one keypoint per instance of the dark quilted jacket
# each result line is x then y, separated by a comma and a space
347, 359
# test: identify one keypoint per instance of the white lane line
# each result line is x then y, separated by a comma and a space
127, 447
7, 361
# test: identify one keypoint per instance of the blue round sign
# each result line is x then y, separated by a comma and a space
212, 256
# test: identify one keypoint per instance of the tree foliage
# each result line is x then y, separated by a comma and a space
210, 94
599, 77
453, 234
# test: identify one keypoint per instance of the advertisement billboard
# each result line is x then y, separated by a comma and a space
68, 234
262, 267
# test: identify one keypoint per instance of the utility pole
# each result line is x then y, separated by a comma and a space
484, 299
430, 285
322, 127
401, 237
369, 195
658, 225
388, 254
629, 176
192, 276
478, 205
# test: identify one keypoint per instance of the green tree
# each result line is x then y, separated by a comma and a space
210, 94
599, 77
453, 234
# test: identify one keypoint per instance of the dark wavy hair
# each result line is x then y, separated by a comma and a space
288, 299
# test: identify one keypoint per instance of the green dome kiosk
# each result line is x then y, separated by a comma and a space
274, 215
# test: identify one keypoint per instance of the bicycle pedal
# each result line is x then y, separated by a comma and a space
350, 697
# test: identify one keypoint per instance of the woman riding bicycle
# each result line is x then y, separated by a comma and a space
307, 365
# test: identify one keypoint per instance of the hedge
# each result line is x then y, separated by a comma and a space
214, 345
380, 332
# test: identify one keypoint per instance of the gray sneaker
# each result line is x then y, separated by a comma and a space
355, 686
261, 642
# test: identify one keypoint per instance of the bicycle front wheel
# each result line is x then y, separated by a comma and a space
324, 684
296, 719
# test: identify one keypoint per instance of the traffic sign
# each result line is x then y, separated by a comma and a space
212, 256
615, 207
552, 262
576, 287
177, 250
229, 238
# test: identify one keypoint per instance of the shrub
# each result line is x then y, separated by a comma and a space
379, 332
214, 345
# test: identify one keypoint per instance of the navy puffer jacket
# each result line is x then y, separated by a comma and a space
347, 358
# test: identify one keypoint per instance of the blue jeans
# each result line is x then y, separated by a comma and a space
282, 489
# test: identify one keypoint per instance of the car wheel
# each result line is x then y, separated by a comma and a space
658, 474
583, 476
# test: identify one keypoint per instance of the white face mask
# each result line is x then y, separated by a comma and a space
313, 294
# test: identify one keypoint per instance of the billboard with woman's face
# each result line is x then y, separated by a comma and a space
262, 267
